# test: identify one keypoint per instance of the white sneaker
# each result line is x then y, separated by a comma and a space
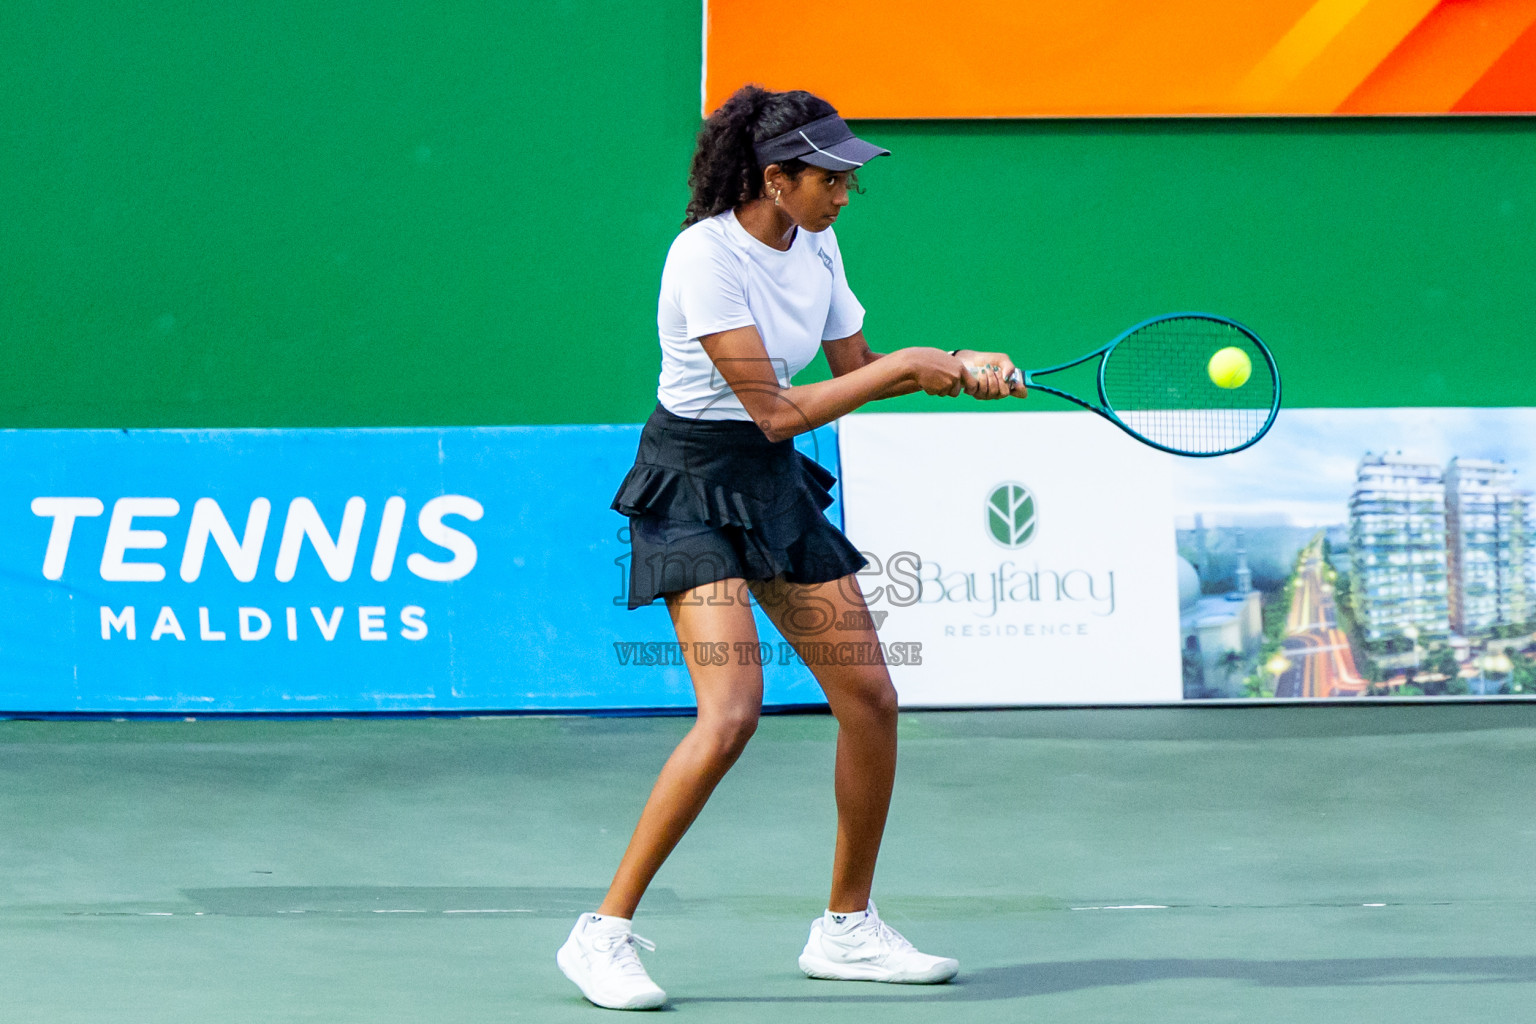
871, 950
600, 958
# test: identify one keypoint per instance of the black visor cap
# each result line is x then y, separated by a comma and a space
827, 142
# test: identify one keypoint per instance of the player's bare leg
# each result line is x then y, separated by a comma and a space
863, 701
730, 697
850, 942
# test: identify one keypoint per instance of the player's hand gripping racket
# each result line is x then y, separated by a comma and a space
1187, 383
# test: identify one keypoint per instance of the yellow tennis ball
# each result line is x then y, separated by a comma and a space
1230, 368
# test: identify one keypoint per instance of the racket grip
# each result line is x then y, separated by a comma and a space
1015, 377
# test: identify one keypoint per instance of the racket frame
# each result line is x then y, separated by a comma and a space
1105, 410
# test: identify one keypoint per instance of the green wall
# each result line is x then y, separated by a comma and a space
271, 214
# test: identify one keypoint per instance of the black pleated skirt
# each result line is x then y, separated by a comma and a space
709, 500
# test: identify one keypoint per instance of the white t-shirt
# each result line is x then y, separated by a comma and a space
718, 277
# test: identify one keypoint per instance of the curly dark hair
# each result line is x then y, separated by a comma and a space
725, 171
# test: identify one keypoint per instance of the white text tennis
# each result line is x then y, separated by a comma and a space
303, 522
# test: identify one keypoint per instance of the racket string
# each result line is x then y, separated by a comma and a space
1157, 382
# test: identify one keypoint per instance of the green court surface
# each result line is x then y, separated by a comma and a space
1289, 864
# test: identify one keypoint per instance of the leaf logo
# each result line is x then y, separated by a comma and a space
1011, 515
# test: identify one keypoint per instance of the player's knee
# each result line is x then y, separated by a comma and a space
877, 697
883, 701
729, 731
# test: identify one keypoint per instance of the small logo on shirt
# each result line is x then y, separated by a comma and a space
826, 260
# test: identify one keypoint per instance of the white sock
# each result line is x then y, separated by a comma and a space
592, 919
839, 924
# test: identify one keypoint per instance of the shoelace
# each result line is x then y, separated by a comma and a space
622, 952
884, 935
891, 937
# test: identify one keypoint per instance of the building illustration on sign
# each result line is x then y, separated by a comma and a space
1424, 586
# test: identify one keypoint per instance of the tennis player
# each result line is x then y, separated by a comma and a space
720, 504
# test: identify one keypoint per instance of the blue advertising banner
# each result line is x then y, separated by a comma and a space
183, 571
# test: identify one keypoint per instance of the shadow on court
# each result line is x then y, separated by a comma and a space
1017, 981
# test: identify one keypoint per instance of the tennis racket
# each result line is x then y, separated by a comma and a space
1156, 383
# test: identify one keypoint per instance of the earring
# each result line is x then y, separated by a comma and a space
776, 195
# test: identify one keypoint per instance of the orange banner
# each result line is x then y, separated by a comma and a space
1135, 58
